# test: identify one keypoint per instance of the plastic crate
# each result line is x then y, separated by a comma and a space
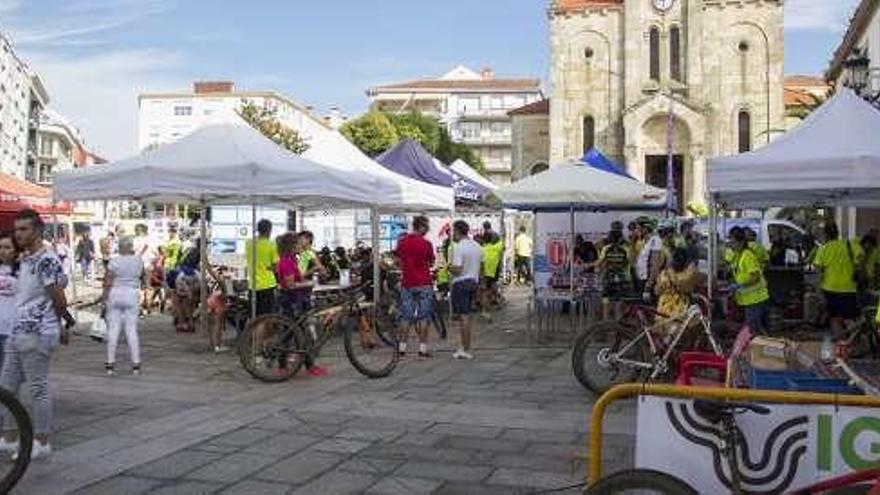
775, 379
823, 386
800, 381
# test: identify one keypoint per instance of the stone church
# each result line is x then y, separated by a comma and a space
620, 68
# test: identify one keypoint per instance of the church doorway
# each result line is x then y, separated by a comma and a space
656, 174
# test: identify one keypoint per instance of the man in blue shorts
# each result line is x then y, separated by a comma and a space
416, 256
467, 260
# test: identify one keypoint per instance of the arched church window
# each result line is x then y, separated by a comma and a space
654, 47
675, 53
589, 133
744, 125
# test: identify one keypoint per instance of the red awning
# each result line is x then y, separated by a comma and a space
17, 194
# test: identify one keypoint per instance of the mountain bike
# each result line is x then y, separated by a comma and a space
273, 348
642, 346
722, 416
16, 419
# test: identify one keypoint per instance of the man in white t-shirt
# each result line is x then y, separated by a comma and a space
649, 258
467, 260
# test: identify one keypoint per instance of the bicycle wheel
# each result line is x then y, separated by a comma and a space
371, 345
265, 348
594, 351
640, 481
16, 419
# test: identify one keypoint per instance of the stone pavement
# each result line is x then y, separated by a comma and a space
195, 422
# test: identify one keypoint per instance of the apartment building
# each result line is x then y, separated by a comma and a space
166, 117
22, 99
473, 105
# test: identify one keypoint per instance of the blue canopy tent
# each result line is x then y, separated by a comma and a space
597, 160
410, 159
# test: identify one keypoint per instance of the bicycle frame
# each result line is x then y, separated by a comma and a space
661, 363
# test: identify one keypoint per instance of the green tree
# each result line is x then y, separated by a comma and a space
376, 132
373, 133
265, 121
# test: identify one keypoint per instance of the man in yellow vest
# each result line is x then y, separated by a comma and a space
522, 251
749, 285
493, 252
838, 261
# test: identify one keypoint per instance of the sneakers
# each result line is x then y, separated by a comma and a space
318, 371
462, 354
109, 368
425, 355
8, 447
220, 349
38, 450
136, 370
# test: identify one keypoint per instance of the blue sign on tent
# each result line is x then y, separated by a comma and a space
597, 160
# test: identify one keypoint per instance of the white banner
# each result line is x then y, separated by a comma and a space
554, 239
792, 447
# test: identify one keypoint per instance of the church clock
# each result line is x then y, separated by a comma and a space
663, 5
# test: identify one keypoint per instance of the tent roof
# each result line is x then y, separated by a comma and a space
466, 171
227, 164
597, 160
327, 146
408, 158
831, 158
584, 187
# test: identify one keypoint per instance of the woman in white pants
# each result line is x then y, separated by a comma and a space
122, 286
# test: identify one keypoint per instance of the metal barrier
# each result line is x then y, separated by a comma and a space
626, 391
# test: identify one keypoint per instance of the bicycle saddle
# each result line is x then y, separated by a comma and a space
715, 410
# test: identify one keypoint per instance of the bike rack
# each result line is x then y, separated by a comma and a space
629, 390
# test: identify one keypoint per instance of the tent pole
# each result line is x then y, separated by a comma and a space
713, 248
377, 276
571, 255
203, 266
252, 273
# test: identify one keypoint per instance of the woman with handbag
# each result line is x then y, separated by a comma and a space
122, 286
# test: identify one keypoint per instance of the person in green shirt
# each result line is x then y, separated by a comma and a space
261, 268
172, 249
749, 285
872, 261
493, 254
308, 260
838, 261
756, 247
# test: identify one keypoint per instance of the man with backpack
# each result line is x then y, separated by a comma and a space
615, 267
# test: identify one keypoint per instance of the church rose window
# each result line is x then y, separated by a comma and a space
675, 53
744, 124
654, 43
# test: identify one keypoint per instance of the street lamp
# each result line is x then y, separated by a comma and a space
856, 66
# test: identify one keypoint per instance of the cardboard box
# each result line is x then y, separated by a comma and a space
769, 354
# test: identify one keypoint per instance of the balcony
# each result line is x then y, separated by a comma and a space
483, 114
483, 139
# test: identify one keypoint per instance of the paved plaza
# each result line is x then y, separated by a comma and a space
510, 421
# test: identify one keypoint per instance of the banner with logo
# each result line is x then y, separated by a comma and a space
554, 239
792, 447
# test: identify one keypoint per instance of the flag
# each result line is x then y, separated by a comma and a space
671, 193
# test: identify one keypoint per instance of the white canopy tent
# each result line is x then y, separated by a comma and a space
465, 170
228, 164
577, 186
235, 164
329, 147
831, 159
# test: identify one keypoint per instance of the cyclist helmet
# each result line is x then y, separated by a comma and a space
617, 226
647, 223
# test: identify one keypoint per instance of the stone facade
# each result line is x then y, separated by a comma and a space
530, 139
620, 67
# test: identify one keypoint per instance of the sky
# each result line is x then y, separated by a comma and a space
96, 56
